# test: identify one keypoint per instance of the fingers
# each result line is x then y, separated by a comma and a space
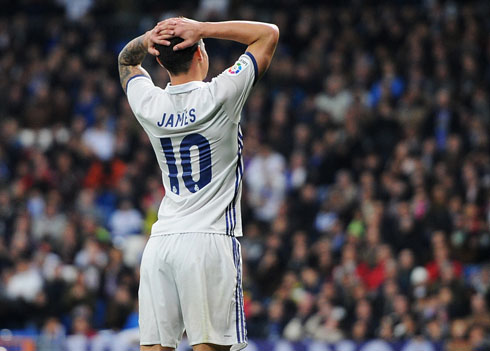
153, 51
169, 24
173, 27
163, 27
185, 44
172, 20
162, 42
165, 32
161, 37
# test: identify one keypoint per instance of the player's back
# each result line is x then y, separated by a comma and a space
195, 133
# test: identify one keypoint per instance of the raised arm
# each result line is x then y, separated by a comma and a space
132, 55
261, 38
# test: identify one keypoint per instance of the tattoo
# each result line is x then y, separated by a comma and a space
130, 57
133, 53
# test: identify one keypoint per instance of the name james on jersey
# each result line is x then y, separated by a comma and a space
178, 119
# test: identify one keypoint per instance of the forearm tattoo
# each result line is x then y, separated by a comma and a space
132, 55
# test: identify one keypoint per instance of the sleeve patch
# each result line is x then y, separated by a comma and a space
237, 68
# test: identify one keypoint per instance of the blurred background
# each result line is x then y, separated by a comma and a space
367, 174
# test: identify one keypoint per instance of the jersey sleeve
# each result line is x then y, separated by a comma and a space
233, 86
140, 91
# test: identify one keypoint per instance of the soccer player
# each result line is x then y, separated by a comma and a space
191, 266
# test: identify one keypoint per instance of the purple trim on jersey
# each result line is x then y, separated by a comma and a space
256, 68
226, 218
238, 177
135, 76
237, 294
230, 212
229, 219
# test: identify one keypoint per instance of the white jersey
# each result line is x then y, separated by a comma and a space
195, 133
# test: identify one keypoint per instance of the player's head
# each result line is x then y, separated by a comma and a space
180, 61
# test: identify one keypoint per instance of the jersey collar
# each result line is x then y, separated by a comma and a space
183, 88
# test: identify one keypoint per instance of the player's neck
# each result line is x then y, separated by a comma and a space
194, 74
182, 79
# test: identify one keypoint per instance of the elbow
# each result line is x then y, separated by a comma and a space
120, 57
274, 33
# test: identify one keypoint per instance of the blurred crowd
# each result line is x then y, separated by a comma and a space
367, 169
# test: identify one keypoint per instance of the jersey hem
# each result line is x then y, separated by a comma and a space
194, 232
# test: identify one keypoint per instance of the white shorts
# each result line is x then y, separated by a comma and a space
192, 282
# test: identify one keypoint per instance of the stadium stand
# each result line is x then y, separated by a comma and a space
367, 173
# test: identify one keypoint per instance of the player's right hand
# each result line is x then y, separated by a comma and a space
158, 35
185, 28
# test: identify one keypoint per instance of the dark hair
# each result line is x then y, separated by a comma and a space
176, 62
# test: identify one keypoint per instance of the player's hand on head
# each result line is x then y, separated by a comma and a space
187, 29
158, 35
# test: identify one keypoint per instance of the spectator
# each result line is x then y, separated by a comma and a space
335, 100
266, 182
25, 282
52, 336
295, 329
457, 339
99, 140
126, 220
478, 338
480, 314
51, 224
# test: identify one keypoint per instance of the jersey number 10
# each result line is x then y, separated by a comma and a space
205, 174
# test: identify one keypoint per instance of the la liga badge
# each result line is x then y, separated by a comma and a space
237, 68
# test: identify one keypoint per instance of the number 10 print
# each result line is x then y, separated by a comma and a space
205, 173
